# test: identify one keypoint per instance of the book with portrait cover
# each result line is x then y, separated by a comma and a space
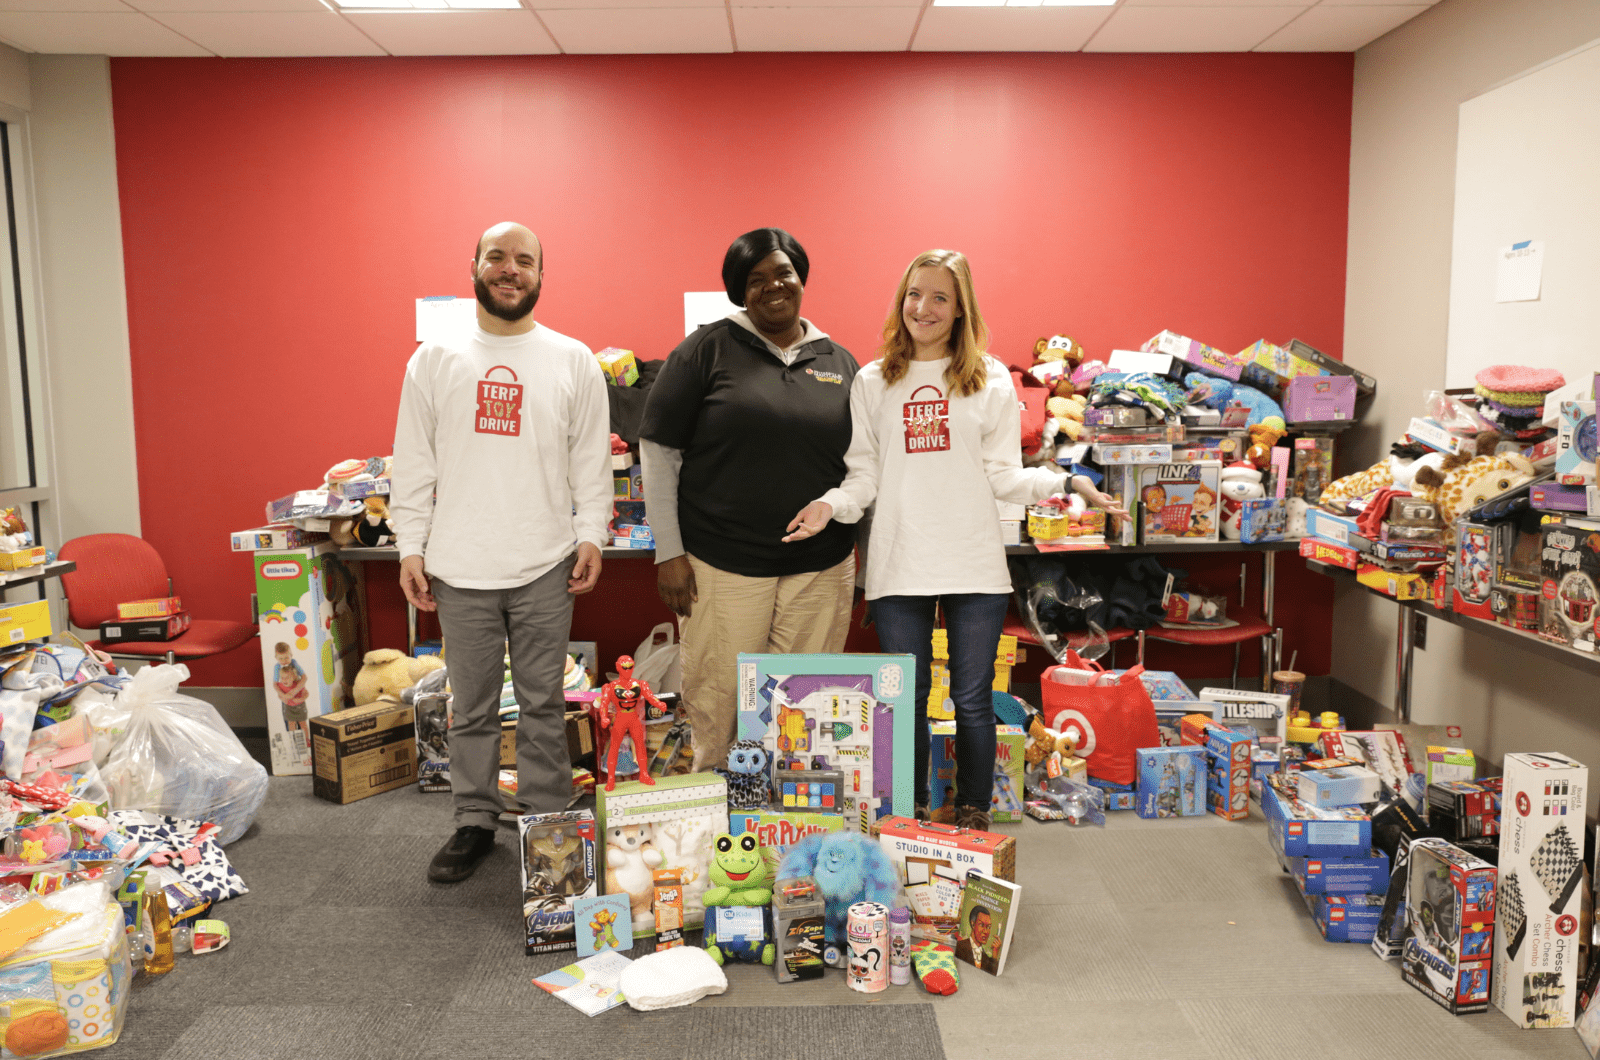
988, 915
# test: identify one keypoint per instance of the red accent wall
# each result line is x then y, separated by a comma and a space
279, 217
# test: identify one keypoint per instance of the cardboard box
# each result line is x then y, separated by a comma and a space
159, 608
146, 629
1570, 567
1340, 529
678, 816
1172, 781
1536, 946
25, 621
1344, 786
1276, 362
1346, 917
275, 538
1118, 796
1006, 801
1335, 555
1228, 776
853, 713
363, 751
22, 558
1442, 764
1398, 584
1428, 432
1296, 830
559, 865
1198, 354
1365, 383
1575, 444
1450, 926
1320, 399
313, 616
1552, 496
1464, 809
620, 366
1359, 875
933, 861
1178, 502
1263, 519
1132, 454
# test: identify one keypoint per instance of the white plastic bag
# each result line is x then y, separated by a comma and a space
656, 660
176, 757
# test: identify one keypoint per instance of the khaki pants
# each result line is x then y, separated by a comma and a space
795, 614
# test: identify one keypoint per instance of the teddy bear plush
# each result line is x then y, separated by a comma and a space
385, 673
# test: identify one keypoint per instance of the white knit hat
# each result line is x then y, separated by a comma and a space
679, 976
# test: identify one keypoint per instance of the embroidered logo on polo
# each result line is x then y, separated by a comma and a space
927, 421
499, 404
826, 377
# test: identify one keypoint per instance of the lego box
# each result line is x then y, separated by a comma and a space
363, 751
1178, 502
1343, 786
558, 866
1172, 781
933, 861
1296, 830
1541, 888
853, 713
1360, 875
1346, 917
1450, 926
1228, 776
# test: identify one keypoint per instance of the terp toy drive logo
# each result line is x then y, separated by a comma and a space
927, 422
499, 404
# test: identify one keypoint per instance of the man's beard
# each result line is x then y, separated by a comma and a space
512, 313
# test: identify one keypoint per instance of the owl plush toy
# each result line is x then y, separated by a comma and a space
749, 783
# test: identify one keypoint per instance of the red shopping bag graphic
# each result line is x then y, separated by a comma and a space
499, 404
927, 422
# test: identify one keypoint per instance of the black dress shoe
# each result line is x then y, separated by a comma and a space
461, 855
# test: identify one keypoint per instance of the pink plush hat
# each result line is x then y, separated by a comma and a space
1519, 379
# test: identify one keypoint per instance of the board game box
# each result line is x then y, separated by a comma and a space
933, 861
1178, 502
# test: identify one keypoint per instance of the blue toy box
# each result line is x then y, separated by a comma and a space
1171, 782
1346, 917
1365, 875
853, 713
1118, 796
1228, 776
1300, 831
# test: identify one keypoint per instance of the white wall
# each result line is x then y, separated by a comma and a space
85, 300
1408, 89
14, 76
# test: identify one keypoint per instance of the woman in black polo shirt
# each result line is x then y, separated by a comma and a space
748, 421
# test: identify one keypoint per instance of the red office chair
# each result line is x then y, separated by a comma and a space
1250, 627
117, 568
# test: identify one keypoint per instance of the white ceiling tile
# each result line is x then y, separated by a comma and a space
618, 5
1220, 3
1378, 3
102, 33
457, 32
643, 30
1338, 29
271, 33
227, 5
1007, 29
1189, 29
819, 29
736, 4
64, 5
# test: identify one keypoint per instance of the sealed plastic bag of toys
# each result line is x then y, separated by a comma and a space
1060, 799
176, 757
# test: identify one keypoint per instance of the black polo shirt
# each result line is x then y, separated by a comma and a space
760, 441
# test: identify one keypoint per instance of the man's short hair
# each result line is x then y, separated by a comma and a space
748, 250
477, 251
972, 917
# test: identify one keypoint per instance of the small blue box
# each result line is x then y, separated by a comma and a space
1118, 796
1330, 527
1346, 917
1368, 875
1339, 786
1170, 781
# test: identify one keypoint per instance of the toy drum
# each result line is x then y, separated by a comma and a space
867, 932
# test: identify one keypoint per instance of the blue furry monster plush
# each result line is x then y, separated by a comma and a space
849, 868
1216, 393
749, 784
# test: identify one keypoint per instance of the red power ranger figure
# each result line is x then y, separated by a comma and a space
622, 714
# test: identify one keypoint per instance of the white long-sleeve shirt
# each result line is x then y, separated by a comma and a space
502, 459
935, 466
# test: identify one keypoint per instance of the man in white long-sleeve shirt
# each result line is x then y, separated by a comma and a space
501, 495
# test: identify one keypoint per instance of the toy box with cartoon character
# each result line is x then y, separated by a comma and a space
667, 825
852, 713
1542, 890
1359, 875
1313, 467
1228, 774
1006, 803
1570, 565
1346, 917
1474, 566
1575, 444
933, 861
1171, 781
1196, 609
1263, 519
1118, 796
777, 832
1450, 926
1350, 785
558, 865
1178, 502
313, 635
1200, 355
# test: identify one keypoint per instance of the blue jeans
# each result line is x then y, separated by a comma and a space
974, 622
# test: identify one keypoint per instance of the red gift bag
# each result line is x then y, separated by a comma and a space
1112, 721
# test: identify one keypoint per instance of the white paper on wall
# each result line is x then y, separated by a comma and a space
1518, 271
441, 316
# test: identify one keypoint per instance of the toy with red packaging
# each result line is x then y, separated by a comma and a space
1570, 566
933, 861
1450, 926
1541, 884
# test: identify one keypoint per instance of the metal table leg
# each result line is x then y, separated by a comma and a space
1271, 647
1405, 642
411, 628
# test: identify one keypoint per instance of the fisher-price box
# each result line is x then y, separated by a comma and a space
313, 634
933, 861
853, 713
1541, 896
1178, 502
1172, 781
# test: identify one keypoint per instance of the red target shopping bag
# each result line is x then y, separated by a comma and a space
1111, 719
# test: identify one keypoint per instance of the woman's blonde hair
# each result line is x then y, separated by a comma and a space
969, 338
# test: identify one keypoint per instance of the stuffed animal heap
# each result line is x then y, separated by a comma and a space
1397, 471
749, 783
386, 673
849, 867
1461, 483
738, 880
1215, 393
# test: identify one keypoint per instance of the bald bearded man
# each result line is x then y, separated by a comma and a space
501, 495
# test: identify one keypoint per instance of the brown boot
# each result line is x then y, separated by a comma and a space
973, 818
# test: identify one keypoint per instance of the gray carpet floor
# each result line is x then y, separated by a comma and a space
1145, 939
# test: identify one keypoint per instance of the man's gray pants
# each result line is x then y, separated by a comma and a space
536, 619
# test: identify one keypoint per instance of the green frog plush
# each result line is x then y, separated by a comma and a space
738, 920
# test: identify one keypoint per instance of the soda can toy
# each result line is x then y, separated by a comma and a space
867, 932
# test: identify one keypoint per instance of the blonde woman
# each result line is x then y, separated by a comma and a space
935, 440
